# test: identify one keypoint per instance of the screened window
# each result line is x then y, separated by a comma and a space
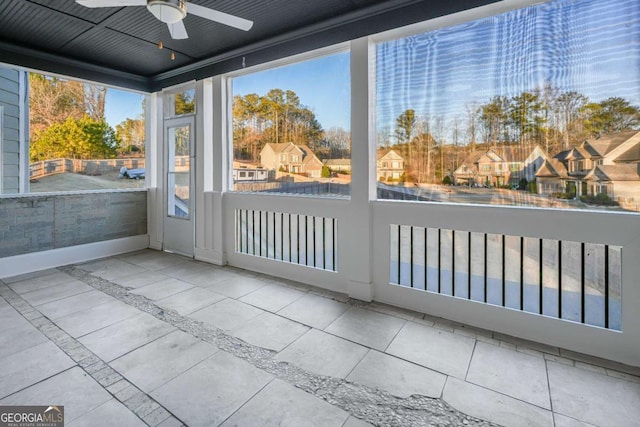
84, 136
294, 122
527, 86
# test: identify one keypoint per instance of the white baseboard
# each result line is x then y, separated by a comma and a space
35, 261
212, 257
361, 291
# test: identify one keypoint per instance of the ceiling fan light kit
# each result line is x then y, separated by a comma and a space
168, 11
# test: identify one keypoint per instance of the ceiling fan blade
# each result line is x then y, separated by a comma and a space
221, 17
178, 31
111, 3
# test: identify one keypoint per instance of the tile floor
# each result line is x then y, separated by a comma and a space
486, 375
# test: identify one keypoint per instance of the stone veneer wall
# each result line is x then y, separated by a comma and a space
36, 223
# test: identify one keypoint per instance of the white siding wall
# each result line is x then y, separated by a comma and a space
10, 130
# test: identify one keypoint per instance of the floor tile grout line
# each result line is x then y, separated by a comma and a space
138, 347
198, 363
53, 300
70, 296
395, 335
68, 345
336, 391
39, 381
546, 371
100, 328
369, 350
249, 400
473, 352
504, 394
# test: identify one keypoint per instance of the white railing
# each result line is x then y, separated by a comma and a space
565, 278
576, 281
294, 237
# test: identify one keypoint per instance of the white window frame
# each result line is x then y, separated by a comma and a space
227, 80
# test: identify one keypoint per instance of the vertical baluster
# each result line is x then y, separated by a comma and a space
313, 233
541, 283
521, 273
503, 272
559, 279
333, 243
485, 268
266, 232
439, 260
469, 267
260, 232
399, 252
453, 262
324, 245
582, 279
411, 256
306, 241
253, 230
282, 236
606, 286
425, 259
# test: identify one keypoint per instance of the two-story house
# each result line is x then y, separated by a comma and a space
609, 164
292, 158
390, 165
500, 166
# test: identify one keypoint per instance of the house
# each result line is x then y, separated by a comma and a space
607, 165
250, 174
292, 158
390, 165
550, 176
338, 165
500, 166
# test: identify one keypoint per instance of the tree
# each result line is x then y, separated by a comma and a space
471, 111
53, 100
94, 101
185, 103
338, 142
612, 115
130, 133
569, 105
77, 139
405, 124
493, 119
276, 117
326, 172
525, 115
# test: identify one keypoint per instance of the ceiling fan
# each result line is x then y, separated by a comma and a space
172, 12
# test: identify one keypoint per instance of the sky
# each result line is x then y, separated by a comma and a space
120, 105
588, 46
322, 84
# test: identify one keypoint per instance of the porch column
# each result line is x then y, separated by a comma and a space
356, 235
153, 166
210, 170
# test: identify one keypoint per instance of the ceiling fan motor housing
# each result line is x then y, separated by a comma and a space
168, 11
